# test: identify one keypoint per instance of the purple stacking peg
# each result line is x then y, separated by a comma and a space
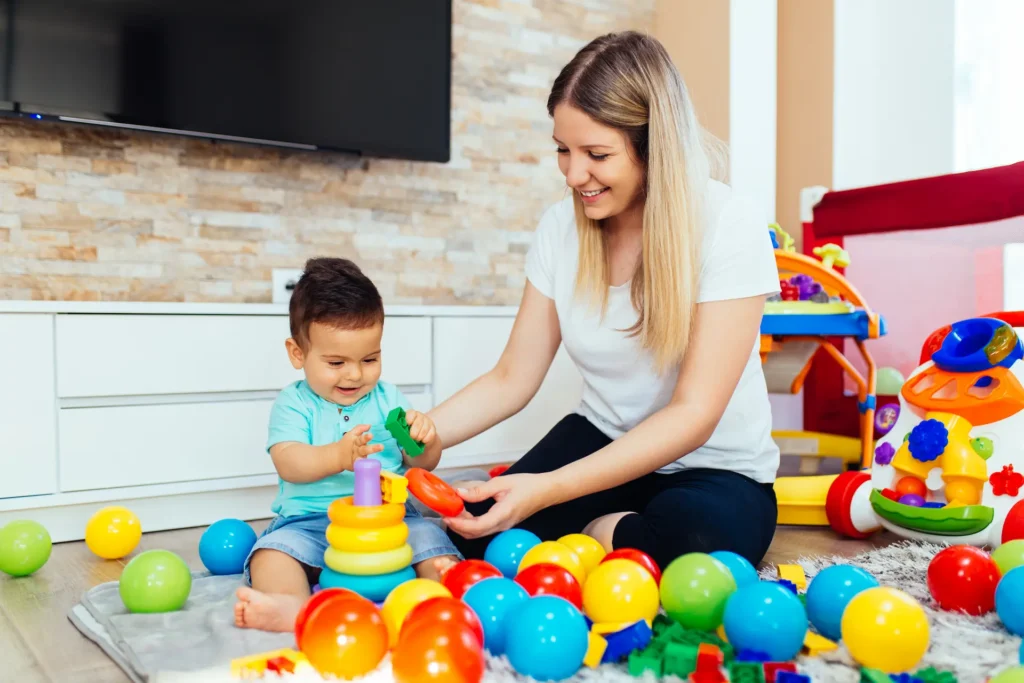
367, 489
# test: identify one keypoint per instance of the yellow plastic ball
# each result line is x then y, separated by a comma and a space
403, 598
620, 591
586, 548
113, 532
553, 552
885, 629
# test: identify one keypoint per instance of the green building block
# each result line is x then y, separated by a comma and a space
932, 675
641, 661
874, 676
662, 622
680, 660
746, 672
399, 429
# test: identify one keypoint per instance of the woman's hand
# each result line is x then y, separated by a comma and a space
517, 496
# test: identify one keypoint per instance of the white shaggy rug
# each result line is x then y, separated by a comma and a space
972, 648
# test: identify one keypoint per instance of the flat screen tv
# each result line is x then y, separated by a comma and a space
371, 77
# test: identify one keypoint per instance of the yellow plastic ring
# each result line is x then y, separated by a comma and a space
369, 564
343, 513
367, 540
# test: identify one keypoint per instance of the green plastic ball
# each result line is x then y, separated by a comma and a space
1009, 556
1014, 675
888, 382
694, 590
24, 547
155, 581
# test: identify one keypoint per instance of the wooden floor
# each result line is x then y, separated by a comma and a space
40, 645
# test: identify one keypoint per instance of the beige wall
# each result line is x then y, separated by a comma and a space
696, 35
92, 214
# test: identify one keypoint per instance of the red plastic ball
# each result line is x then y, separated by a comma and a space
459, 578
911, 485
551, 579
446, 652
641, 558
963, 578
442, 610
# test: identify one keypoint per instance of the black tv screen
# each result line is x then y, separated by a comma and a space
365, 76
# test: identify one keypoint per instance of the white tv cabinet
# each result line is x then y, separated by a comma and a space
163, 407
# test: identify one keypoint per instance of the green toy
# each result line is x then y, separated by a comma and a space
24, 547
399, 429
155, 581
694, 589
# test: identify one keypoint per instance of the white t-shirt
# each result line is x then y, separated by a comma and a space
621, 386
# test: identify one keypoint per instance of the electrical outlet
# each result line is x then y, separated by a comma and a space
283, 281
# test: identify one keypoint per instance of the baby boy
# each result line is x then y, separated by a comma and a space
319, 427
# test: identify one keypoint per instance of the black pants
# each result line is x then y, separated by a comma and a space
692, 510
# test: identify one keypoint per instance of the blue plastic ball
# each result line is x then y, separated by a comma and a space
506, 550
742, 571
768, 618
546, 638
492, 600
1010, 600
225, 545
830, 592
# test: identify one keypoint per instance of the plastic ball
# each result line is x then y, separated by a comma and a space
155, 581
113, 532
1010, 601
492, 599
345, 637
1009, 555
460, 577
638, 556
553, 552
439, 653
311, 605
441, 609
506, 550
886, 629
25, 547
766, 617
550, 579
963, 578
912, 500
224, 546
1012, 675
742, 571
547, 638
830, 591
911, 485
403, 598
694, 590
620, 591
586, 548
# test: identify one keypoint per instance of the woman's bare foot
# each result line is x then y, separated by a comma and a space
435, 568
266, 611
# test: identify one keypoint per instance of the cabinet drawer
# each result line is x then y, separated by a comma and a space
125, 355
155, 444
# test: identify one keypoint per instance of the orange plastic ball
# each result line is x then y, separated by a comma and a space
438, 610
445, 652
312, 605
911, 485
345, 637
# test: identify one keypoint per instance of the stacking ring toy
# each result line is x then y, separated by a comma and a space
367, 540
374, 588
343, 513
434, 492
366, 564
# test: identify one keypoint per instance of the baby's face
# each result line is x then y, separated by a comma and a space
341, 366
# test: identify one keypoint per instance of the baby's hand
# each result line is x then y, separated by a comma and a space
421, 427
355, 445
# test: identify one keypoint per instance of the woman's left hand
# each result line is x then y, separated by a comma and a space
517, 496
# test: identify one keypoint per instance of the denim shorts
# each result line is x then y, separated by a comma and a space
304, 537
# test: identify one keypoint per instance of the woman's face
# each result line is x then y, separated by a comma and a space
597, 162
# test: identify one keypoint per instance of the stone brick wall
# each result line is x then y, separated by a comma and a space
90, 214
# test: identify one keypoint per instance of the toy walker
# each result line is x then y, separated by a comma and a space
951, 470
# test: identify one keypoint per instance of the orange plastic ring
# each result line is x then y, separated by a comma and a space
343, 513
434, 492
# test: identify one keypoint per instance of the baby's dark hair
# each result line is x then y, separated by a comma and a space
335, 292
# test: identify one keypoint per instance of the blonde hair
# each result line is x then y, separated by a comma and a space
627, 81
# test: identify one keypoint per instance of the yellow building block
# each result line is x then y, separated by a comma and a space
814, 644
595, 651
255, 666
795, 574
394, 488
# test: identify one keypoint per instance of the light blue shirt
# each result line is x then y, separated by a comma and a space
300, 415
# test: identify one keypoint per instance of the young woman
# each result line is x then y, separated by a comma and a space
654, 276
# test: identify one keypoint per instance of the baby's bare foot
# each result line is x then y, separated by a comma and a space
435, 568
266, 611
